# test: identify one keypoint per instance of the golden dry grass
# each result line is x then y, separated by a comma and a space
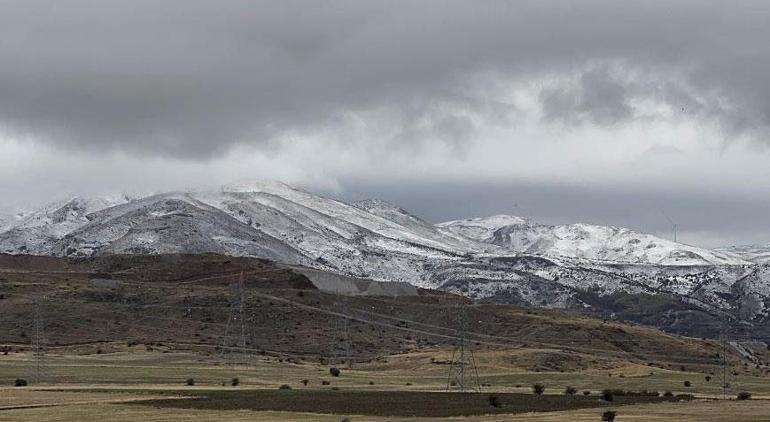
153, 372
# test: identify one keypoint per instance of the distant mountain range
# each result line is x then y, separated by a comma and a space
500, 258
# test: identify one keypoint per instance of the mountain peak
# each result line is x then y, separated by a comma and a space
258, 186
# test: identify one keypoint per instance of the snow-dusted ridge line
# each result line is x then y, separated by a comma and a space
501, 258
586, 241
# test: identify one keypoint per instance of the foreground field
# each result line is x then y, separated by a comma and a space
151, 386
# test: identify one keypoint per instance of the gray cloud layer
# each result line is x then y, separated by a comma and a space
597, 110
193, 78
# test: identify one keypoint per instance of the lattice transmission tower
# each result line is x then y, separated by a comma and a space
234, 347
341, 344
463, 372
40, 371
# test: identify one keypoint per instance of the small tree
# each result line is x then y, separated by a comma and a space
235, 382
538, 389
334, 371
607, 395
744, 395
570, 390
190, 381
304, 382
609, 416
687, 383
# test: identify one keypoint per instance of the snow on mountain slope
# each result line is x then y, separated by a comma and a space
758, 254
500, 258
34, 232
171, 223
482, 228
586, 241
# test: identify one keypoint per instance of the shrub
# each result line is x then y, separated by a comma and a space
668, 394
20, 382
493, 400
570, 390
708, 378
324, 382
235, 382
538, 389
744, 395
371, 382
304, 382
190, 381
687, 383
334, 371
284, 387
609, 416
607, 395
586, 393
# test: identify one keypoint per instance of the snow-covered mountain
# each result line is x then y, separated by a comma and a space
500, 258
758, 254
36, 231
606, 243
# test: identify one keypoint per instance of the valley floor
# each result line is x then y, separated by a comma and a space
151, 386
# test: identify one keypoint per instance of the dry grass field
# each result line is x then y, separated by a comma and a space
124, 336
151, 386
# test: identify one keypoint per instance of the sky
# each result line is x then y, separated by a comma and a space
631, 113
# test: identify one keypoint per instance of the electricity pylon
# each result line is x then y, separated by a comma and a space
463, 372
341, 342
39, 361
234, 340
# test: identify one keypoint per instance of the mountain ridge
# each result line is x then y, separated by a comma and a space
499, 258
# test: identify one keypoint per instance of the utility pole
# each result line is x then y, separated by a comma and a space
463, 372
234, 340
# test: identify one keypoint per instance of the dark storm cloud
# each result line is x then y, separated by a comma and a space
192, 78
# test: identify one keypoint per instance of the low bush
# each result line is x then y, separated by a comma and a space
324, 382
607, 395
334, 371
20, 382
538, 389
235, 382
190, 381
609, 416
668, 394
493, 400
570, 390
284, 387
744, 395
304, 382
586, 393
687, 383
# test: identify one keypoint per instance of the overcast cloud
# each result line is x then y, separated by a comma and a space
599, 111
